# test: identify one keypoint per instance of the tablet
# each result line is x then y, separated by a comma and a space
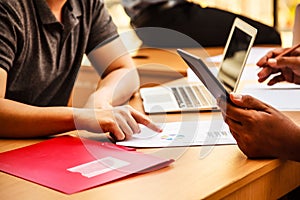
205, 75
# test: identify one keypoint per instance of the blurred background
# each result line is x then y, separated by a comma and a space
284, 13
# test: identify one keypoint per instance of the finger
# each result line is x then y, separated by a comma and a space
126, 120
235, 126
247, 101
265, 73
133, 124
126, 129
233, 112
292, 62
140, 118
276, 79
271, 54
230, 116
288, 74
116, 132
263, 61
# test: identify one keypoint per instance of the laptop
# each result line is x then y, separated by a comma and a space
196, 97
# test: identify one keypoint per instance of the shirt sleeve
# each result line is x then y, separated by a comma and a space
102, 27
8, 34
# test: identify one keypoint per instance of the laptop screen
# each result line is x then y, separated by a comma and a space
236, 52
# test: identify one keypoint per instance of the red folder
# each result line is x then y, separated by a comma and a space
70, 164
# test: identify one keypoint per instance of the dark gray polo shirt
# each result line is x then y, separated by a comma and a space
42, 56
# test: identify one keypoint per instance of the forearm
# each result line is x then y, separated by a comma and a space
115, 89
119, 75
19, 120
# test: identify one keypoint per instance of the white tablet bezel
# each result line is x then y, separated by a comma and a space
249, 30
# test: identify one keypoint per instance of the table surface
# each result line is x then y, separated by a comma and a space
201, 172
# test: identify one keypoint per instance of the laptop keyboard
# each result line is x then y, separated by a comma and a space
193, 96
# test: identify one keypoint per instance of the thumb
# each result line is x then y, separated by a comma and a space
247, 102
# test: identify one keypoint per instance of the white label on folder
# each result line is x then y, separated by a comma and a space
98, 167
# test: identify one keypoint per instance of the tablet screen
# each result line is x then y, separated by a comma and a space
234, 58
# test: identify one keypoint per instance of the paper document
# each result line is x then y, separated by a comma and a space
282, 96
189, 133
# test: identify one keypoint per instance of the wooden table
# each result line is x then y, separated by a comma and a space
223, 173
212, 172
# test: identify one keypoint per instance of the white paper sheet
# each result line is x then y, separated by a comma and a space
282, 96
188, 133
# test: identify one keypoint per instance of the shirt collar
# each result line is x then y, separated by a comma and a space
46, 14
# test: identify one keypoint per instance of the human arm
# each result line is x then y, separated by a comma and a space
18, 120
119, 75
285, 68
120, 78
260, 130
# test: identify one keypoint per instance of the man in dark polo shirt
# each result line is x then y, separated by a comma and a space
42, 43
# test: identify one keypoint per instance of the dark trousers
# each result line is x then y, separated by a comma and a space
206, 26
